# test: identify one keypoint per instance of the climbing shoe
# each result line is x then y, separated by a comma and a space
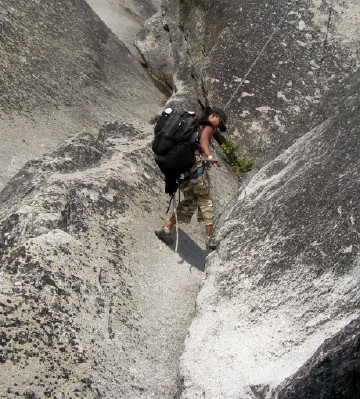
210, 244
164, 235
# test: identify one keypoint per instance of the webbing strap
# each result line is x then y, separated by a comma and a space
195, 174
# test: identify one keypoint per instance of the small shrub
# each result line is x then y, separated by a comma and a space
238, 164
228, 147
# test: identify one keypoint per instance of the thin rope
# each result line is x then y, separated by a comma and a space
217, 219
326, 38
176, 224
276, 29
260, 54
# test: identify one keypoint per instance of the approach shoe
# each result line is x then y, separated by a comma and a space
165, 236
210, 244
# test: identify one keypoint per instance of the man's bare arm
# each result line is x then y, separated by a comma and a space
205, 138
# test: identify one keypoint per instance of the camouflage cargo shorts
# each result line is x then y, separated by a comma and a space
196, 197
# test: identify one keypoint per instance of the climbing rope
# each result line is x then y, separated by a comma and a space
276, 29
176, 223
217, 219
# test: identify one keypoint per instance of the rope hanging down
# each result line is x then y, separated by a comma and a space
260, 53
276, 29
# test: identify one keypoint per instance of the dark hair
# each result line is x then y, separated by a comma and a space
207, 111
204, 119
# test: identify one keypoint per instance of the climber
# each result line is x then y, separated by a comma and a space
195, 185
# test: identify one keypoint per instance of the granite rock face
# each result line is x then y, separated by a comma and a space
286, 275
92, 304
125, 17
154, 41
214, 44
162, 44
90, 299
65, 289
46, 59
63, 72
333, 371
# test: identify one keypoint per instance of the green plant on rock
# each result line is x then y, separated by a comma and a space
228, 147
238, 164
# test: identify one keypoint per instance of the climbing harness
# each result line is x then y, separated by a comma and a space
192, 176
195, 174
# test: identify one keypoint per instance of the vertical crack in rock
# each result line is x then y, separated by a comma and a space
65, 218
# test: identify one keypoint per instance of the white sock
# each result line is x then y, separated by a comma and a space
167, 229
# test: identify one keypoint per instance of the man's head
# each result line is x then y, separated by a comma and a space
221, 116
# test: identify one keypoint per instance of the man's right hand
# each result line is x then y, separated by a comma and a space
216, 162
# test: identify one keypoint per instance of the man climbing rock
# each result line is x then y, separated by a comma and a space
195, 186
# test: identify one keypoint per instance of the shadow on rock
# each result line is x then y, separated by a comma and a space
189, 251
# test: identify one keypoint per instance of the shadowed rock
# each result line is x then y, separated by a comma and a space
332, 373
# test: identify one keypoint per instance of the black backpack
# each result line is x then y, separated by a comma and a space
175, 154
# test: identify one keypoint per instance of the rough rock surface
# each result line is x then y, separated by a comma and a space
332, 373
125, 17
92, 303
214, 45
287, 273
62, 71
154, 43
162, 44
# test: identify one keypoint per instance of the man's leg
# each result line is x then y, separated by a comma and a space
184, 211
206, 210
207, 220
171, 222
208, 229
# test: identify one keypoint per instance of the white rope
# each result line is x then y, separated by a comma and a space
235, 93
259, 55
176, 224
